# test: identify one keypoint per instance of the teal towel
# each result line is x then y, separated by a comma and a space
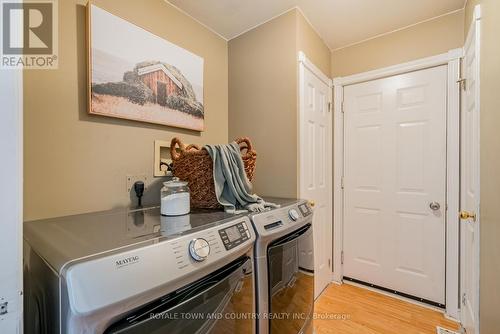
233, 190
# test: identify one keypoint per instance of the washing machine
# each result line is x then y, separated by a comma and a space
284, 267
135, 271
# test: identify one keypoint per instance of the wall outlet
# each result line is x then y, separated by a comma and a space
131, 179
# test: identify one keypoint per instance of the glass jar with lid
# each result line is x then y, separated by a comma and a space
175, 198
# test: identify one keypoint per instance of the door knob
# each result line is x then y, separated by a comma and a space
466, 215
434, 206
312, 204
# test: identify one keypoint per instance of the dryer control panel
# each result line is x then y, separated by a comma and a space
305, 209
282, 220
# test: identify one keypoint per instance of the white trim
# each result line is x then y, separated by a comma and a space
399, 297
317, 72
11, 201
414, 65
453, 188
451, 59
338, 172
197, 21
477, 13
331, 48
398, 29
278, 15
477, 18
475, 28
451, 318
314, 28
261, 23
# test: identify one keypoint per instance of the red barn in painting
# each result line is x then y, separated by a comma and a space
161, 81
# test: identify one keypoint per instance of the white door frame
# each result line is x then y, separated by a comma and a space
452, 60
305, 63
11, 200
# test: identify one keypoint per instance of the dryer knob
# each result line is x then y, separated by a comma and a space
199, 249
293, 214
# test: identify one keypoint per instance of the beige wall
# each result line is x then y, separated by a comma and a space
422, 40
312, 45
263, 70
489, 307
263, 101
77, 163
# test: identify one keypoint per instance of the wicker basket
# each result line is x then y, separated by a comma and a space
194, 165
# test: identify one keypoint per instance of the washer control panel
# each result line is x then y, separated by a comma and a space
199, 249
234, 235
186, 256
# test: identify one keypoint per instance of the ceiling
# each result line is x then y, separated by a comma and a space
339, 22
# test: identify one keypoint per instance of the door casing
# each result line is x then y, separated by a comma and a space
11, 201
452, 60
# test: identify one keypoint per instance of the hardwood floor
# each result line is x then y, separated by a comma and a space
295, 298
367, 312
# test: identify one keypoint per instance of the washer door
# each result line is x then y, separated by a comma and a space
209, 305
291, 283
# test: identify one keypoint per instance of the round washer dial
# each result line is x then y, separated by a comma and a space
199, 249
293, 214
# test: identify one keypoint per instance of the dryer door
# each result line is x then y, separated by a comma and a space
291, 284
209, 305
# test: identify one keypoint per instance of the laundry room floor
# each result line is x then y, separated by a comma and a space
361, 311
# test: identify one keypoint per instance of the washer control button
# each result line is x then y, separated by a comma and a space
199, 249
293, 214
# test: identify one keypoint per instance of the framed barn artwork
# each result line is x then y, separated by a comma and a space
134, 74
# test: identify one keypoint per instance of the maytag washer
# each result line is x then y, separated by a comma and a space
139, 272
284, 261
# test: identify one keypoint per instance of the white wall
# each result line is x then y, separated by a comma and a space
11, 172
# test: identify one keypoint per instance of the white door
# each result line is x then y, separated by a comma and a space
11, 202
395, 179
315, 167
469, 182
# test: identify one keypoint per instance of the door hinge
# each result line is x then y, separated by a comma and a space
329, 263
464, 299
342, 257
463, 83
342, 107
462, 80
3, 308
342, 183
329, 106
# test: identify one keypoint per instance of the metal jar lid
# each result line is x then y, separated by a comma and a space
175, 183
